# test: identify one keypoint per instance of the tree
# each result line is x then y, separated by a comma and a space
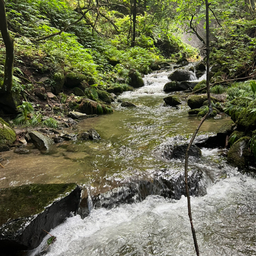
8, 41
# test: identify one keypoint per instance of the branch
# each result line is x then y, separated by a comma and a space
215, 16
194, 30
64, 29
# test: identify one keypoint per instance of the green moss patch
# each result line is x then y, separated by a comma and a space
28, 200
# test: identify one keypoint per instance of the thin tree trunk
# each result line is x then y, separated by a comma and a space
8, 41
196, 131
134, 13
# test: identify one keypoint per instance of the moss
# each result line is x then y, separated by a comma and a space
240, 154
28, 200
7, 134
199, 86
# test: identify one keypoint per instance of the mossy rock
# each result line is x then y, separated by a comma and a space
197, 101
104, 96
59, 79
172, 100
246, 119
200, 87
90, 107
135, 79
240, 155
73, 79
27, 200
78, 91
119, 88
7, 134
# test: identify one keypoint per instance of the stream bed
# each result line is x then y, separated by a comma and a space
224, 218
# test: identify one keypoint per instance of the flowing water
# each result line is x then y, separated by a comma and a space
224, 218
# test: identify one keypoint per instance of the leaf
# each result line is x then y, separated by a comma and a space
253, 86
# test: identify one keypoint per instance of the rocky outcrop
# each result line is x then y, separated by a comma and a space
28, 211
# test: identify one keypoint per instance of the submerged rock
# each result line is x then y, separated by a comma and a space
26, 212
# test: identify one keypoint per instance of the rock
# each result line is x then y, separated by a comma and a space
4, 147
93, 134
78, 91
172, 100
135, 79
26, 211
41, 93
196, 101
128, 104
200, 69
41, 142
169, 151
182, 75
200, 87
83, 136
240, 154
69, 136
73, 79
77, 115
104, 96
21, 150
178, 86
7, 134
165, 182
90, 107
50, 95
58, 84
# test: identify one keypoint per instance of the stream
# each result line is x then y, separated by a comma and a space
224, 218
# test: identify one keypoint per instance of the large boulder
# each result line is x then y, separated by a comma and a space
174, 86
41, 142
28, 212
7, 134
182, 75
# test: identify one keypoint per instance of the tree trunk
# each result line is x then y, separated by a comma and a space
8, 41
134, 14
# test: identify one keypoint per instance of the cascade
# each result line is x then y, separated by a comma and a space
224, 211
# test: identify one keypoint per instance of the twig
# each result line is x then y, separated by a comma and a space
2, 165
196, 131
48, 233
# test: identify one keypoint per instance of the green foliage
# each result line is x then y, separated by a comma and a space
51, 122
218, 89
26, 111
